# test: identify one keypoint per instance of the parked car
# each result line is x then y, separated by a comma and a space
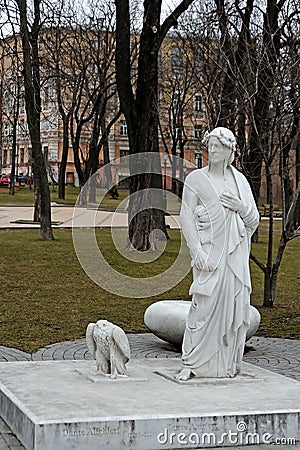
21, 179
4, 180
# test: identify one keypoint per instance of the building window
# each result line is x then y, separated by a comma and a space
5, 157
198, 57
176, 56
123, 128
22, 103
177, 74
175, 100
6, 99
22, 159
22, 126
178, 133
96, 45
198, 102
198, 160
29, 151
46, 152
95, 69
124, 153
46, 96
6, 129
46, 125
198, 131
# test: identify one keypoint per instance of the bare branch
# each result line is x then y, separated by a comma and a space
258, 263
172, 19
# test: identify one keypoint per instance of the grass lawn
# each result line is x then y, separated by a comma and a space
283, 320
46, 296
24, 196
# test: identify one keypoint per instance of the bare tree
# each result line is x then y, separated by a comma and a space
29, 31
180, 107
55, 57
283, 141
255, 55
92, 54
78, 57
11, 87
140, 108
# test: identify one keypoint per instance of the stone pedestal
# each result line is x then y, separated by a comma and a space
66, 405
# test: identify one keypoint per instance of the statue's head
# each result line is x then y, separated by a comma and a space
226, 138
103, 324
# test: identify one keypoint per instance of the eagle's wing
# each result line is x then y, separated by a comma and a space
121, 341
90, 339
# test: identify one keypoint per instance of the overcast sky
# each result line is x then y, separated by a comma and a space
169, 3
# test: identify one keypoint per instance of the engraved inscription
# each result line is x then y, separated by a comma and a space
92, 431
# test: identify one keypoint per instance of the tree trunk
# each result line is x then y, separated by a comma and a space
266, 66
141, 112
275, 269
298, 159
147, 213
267, 290
37, 203
94, 157
107, 166
82, 200
13, 161
92, 190
33, 110
174, 168
64, 159
146, 209
91, 168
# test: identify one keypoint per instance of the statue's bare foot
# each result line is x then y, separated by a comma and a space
118, 375
184, 375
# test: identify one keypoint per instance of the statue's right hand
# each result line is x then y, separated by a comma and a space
202, 261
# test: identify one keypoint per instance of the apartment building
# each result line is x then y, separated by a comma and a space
181, 105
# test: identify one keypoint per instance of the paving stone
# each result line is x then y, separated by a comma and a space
3, 444
11, 439
3, 427
13, 354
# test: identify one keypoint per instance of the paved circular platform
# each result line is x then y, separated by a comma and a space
279, 355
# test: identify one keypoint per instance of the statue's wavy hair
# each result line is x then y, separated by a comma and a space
226, 137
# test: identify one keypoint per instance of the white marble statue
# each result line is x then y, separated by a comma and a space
218, 217
109, 346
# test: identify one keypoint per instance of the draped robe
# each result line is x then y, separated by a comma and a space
218, 318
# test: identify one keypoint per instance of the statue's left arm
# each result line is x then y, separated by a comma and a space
244, 206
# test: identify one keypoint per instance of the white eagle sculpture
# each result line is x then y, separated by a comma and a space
109, 346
